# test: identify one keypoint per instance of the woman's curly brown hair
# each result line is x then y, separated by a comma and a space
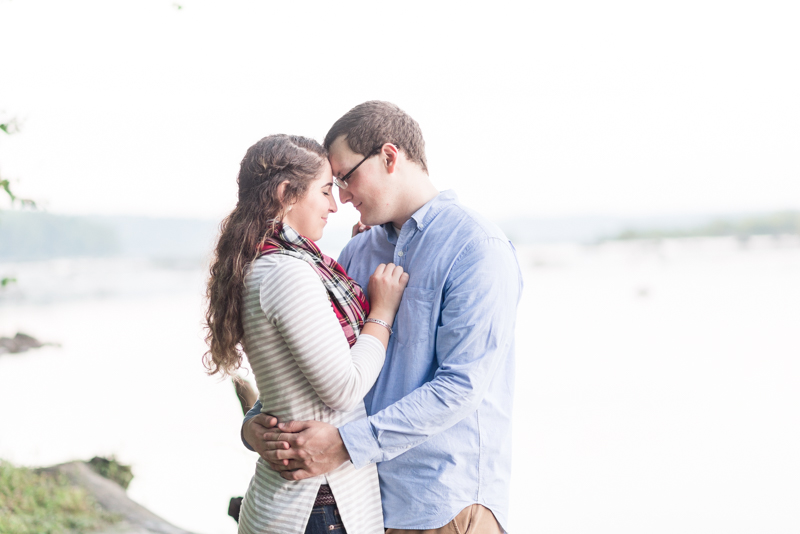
267, 164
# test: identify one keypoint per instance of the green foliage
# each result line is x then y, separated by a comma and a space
10, 126
112, 470
784, 222
24, 202
42, 503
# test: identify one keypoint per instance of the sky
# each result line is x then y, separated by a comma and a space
527, 108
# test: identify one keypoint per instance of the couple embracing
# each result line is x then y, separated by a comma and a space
385, 379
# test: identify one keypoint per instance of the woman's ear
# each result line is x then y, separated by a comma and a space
281, 192
389, 154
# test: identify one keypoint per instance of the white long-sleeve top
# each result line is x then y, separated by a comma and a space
305, 369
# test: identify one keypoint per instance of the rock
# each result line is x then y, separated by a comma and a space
19, 343
136, 519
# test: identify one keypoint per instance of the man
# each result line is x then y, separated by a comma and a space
439, 422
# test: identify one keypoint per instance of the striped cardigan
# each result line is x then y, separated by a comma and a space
305, 369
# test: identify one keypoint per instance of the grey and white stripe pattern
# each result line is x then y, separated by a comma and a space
305, 369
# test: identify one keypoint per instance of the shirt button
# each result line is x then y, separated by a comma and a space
400, 253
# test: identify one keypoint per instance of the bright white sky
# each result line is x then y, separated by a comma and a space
528, 108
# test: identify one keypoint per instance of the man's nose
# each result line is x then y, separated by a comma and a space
344, 196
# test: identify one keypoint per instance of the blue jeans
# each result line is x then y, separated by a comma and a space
324, 520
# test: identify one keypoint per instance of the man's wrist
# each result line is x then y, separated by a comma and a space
245, 441
343, 452
360, 443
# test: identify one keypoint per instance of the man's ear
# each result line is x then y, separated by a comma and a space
389, 155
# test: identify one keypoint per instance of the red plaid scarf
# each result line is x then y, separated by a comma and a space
347, 298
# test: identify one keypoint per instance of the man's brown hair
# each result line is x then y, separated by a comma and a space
371, 124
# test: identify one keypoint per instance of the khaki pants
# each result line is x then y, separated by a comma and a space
474, 519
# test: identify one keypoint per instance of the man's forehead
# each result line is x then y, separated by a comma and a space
339, 154
340, 148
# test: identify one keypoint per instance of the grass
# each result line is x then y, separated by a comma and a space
43, 503
112, 470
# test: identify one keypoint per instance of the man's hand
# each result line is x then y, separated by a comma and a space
255, 430
303, 449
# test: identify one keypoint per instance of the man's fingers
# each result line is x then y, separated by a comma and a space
265, 420
285, 465
276, 445
278, 466
275, 434
297, 474
278, 455
292, 427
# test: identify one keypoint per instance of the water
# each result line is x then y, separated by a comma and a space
656, 387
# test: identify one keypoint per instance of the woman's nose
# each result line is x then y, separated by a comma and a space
332, 208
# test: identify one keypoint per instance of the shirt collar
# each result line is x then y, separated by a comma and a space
423, 216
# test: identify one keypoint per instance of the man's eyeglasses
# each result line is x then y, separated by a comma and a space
342, 182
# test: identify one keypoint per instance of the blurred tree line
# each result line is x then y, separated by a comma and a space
778, 223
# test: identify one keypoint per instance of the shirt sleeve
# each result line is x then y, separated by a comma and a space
475, 334
254, 411
294, 299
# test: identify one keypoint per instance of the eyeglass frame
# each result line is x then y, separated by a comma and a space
341, 183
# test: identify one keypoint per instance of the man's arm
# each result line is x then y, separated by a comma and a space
475, 333
255, 427
247, 427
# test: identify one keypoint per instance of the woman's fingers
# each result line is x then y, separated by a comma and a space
388, 269
359, 227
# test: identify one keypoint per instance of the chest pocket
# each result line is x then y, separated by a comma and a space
415, 321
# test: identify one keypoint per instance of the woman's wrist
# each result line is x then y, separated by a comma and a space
384, 324
382, 315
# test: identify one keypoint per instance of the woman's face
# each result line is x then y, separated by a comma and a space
309, 215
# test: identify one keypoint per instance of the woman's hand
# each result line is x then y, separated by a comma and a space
359, 227
386, 286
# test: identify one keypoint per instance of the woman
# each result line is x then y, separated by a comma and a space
314, 343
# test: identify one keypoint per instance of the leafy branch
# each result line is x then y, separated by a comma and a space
24, 202
10, 127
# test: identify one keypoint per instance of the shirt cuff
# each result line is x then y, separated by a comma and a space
244, 441
254, 411
360, 442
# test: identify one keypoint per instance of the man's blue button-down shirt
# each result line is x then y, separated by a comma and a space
439, 422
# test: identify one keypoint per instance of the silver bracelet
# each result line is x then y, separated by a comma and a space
382, 323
